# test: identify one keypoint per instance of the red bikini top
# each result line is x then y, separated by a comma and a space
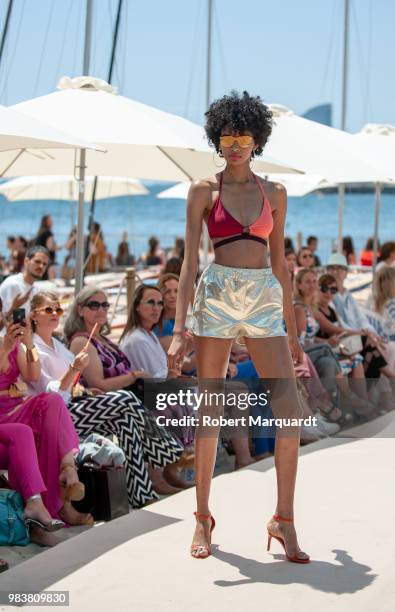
221, 223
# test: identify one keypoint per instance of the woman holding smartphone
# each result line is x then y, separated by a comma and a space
46, 414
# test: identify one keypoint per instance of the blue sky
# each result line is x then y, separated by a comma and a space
287, 51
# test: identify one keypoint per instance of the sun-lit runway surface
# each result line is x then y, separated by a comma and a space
344, 508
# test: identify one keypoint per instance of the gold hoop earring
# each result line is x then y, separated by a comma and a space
216, 165
252, 160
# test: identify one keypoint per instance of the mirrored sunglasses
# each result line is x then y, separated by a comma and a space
243, 141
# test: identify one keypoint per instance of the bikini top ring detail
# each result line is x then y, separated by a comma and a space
221, 224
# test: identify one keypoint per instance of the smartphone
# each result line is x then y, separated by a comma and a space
18, 315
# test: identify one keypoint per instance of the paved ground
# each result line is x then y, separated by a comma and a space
344, 504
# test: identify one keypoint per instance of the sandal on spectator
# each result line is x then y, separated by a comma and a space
51, 526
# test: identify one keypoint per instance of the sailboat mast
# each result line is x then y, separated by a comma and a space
341, 188
208, 99
345, 65
208, 67
5, 29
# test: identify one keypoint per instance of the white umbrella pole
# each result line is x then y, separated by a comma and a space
79, 264
377, 202
340, 191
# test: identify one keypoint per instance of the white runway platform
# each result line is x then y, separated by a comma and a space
344, 514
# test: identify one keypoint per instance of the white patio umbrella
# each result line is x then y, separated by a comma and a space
66, 188
297, 185
24, 139
379, 141
140, 141
325, 151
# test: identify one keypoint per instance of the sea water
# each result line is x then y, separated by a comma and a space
143, 216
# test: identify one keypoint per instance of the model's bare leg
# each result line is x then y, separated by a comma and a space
212, 357
272, 360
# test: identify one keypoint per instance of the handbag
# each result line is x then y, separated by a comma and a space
13, 531
106, 495
350, 345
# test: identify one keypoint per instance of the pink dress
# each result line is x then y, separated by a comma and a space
53, 430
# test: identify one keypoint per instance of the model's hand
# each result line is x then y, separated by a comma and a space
176, 352
296, 350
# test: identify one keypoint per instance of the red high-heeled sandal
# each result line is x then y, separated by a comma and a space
201, 551
293, 558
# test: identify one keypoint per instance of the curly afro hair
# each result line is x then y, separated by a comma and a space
240, 113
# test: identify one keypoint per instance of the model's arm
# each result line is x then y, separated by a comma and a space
199, 198
280, 269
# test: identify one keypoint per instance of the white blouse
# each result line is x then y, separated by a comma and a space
145, 352
54, 361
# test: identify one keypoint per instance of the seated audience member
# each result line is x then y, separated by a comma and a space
178, 249
387, 255
330, 326
21, 247
366, 255
323, 357
353, 317
168, 286
68, 268
124, 257
288, 243
155, 256
11, 247
45, 238
384, 300
18, 455
349, 250
16, 290
109, 371
47, 416
312, 243
305, 258
138, 342
98, 255
290, 258
173, 266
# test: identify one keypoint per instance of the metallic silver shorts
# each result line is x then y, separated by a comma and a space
237, 302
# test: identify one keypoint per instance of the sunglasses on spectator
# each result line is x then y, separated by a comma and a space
306, 256
93, 305
58, 311
152, 302
336, 268
332, 290
243, 141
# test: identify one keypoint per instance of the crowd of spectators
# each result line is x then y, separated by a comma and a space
347, 375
